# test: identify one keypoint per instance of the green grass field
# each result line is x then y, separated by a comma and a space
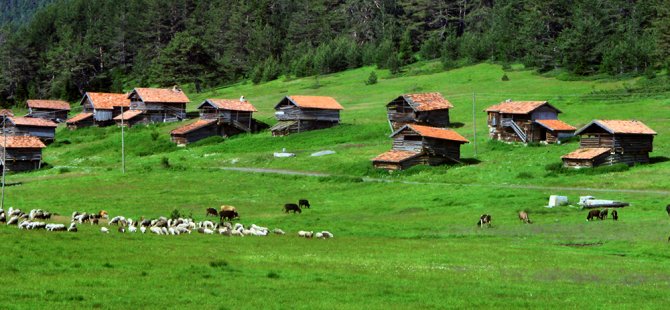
402, 240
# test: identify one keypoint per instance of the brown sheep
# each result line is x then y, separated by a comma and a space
211, 211
523, 216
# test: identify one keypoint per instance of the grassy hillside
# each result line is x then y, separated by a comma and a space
405, 239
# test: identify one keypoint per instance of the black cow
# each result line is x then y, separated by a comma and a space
603, 214
593, 214
304, 203
615, 215
228, 215
292, 207
485, 219
212, 212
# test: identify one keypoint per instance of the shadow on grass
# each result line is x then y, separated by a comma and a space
658, 159
456, 125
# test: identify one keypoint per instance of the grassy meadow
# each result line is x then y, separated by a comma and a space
402, 240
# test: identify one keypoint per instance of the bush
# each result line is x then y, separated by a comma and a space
505, 78
218, 264
63, 170
372, 78
256, 74
175, 214
524, 175
271, 70
154, 135
273, 275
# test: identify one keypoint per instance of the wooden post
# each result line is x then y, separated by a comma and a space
4, 161
474, 123
123, 146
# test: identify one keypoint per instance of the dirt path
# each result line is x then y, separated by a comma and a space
507, 186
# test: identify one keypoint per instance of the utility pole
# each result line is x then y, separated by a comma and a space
123, 145
4, 160
474, 122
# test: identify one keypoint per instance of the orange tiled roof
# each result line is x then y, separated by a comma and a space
192, 126
18, 142
555, 125
517, 107
316, 102
630, 127
434, 132
231, 104
428, 102
395, 156
107, 101
32, 121
6, 112
79, 117
163, 95
130, 114
48, 104
586, 153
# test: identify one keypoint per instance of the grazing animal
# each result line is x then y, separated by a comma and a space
132, 229
292, 207
94, 222
121, 229
3, 218
72, 228
143, 229
103, 214
523, 216
485, 219
228, 215
212, 212
327, 234
318, 235
593, 214
304, 203
228, 208
104, 230
13, 220
615, 215
603, 214
278, 231
305, 234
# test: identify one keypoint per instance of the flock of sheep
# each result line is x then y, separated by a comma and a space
159, 226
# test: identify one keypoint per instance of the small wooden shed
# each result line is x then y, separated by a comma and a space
626, 141
195, 131
526, 121
421, 145
55, 110
43, 129
304, 113
5, 113
237, 113
131, 118
99, 109
24, 153
429, 109
159, 105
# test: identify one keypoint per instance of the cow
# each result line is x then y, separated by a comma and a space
292, 207
603, 214
523, 216
593, 214
615, 215
485, 219
228, 215
304, 203
212, 212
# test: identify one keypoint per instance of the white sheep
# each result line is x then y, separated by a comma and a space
305, 234
104, 230
164, 230
13, 220
182, 230
172, 231
132, 229
326, 234
236, 233
156, 230
238, 226
72, 228
143, 229
278, 231
318, 235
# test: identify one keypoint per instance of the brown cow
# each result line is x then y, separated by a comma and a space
603, 214
593, 214
523, 216
615, 215
228, 215
485, 219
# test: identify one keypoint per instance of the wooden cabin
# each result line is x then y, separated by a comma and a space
24, 153
158, 105
43, 129
304, 113
99, 109
430, 109
131, 118
527, 121
5, 113
221, 117
421, 145
609, 142
54, 110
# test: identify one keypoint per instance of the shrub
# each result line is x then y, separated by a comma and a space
273, 275
63, 170
505, 78
175, 214
218, 264
154, 135
524, 175
372, 78
165, 162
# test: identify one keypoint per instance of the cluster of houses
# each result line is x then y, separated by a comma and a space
419, 126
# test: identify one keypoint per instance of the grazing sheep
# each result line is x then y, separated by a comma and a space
523, 216
327, 234
104, 230
143, 229
72, 228
211, 212
94, 222
224, 231
3, 218
132, 229
278, 231
593, 214
305, 234
116, 220
603, 214
160, 223
183, 230
238, 226
164, 230
615, 215
173, 231
121, 229
207, 224
318, 235
236, 233
56, 227
13, 220
156, 230
13, 212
